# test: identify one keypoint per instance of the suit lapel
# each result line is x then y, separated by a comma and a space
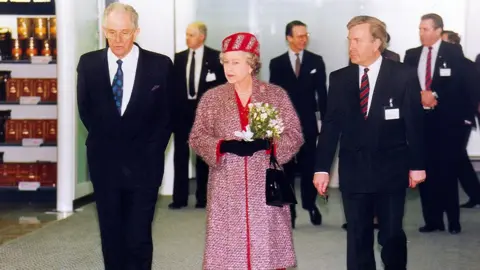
107, 82
288, 63
438, 63
305, 65
140, 76
204, 70
380, 91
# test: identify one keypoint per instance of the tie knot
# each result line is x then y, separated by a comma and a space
119, 62
430, 48
366, 70
297, 55
193, 52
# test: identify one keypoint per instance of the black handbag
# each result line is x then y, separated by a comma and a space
278, 190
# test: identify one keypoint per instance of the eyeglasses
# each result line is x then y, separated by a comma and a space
123, 34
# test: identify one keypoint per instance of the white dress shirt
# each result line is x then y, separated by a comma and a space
422, 64
129, 68
198, 68
293, 58
373, 71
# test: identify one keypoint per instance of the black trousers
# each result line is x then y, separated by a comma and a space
304, 163
125, 217
359, 210
181, 157
466, 174
439, 192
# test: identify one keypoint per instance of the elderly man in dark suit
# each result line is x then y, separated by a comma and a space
197, 69
446, 100
302, 74
374, 111
125, 101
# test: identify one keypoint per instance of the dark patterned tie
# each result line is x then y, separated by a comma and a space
428, 70
364, 93
191, 77
117, 87
297, 65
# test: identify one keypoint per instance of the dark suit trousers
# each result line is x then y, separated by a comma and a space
359, 209
181, 157
466, 175
304, 163
125, 217
439, 192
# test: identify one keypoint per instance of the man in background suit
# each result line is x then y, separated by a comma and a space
197, 69
466, 175
124, 101
390, 54
302, 74
441, 71
374, 111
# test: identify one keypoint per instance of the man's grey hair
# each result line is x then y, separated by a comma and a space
116, 6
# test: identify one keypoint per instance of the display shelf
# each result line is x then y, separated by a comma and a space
18, 103
27, 62
46, 144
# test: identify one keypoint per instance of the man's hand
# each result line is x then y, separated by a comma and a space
428, 99
416, 177
320, 181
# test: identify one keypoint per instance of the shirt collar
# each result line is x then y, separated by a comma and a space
435, 46
375, 66
127, 60
198, 51
292, 54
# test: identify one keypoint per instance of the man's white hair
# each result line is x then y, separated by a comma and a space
116, 6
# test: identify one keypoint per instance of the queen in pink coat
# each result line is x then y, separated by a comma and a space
243, 232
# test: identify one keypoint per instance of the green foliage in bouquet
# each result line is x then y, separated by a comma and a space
264, 121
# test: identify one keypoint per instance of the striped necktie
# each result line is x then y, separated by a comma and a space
364, 93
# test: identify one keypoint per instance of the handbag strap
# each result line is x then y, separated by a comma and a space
273, 160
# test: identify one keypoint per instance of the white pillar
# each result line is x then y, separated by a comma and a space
66, 130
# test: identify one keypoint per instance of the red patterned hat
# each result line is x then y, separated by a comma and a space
245, 42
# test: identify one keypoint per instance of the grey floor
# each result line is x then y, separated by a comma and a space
73, 243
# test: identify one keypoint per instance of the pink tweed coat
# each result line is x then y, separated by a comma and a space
242, 231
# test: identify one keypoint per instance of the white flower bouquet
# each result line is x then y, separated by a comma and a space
264, 123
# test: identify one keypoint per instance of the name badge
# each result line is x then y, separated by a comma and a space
391, 112
445, 72
210, 77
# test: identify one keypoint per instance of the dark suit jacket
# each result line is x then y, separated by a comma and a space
126, 150
302, 90
375, 154
456, 93
391, 55
184, 112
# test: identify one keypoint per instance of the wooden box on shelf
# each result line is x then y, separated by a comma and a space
13, 86
11, 174
46, 89
18, 129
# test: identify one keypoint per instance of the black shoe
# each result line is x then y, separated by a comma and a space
293, 215
376, 226
454, 229
429, 229
175, 206
200, 205
344, 226
469, 204
315, 216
